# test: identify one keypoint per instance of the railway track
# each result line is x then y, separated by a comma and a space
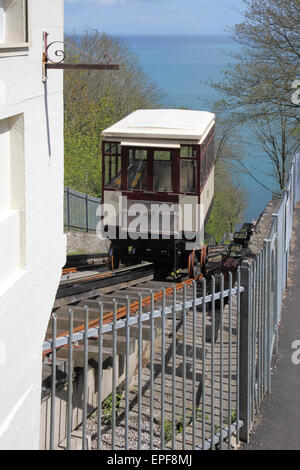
81, 288
125, 283
93, 288
78, 263
132, 288
85, 284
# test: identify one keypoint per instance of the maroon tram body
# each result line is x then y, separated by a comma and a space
159, 157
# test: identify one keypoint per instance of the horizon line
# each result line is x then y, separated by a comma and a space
155, 34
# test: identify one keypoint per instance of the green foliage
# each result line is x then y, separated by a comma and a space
229, 198
188, 420
83, 163
258, 87
229, 204
168, 431
233, 416
107, 408
95, 100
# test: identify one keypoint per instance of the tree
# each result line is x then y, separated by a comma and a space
94, 100
228, 146
259, 89
268, 63
275, 137
229, 204
83, 163
229, 201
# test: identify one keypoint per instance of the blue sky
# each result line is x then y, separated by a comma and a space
152, 16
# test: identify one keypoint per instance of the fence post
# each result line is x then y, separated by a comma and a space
292, 173
297, 179
285, 242
276, 306
68, 207
87, 212
268, 314
245, 353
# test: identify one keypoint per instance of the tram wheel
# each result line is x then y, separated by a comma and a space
193, 265
113, 257
203, 259
196, 262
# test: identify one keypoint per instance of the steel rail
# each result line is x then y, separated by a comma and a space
99, 275
93, 326
87, 282
134, 307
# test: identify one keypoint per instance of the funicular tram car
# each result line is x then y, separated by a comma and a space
159, 158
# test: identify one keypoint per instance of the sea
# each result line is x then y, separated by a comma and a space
182, 66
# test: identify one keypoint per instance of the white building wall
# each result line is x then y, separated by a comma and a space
2, 21
32, 244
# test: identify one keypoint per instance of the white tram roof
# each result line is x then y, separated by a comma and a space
171, 124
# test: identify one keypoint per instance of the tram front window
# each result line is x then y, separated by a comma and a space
162, 169
188, 176
137, 170
112, 172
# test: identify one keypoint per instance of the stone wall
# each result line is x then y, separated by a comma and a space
85, 243
263, 227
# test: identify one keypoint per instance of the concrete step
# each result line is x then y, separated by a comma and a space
78, 355
121, 343
76, 442
146, 330
63, 323
107, 343
94, 304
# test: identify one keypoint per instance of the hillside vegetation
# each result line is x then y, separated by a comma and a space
262, 89
94, 100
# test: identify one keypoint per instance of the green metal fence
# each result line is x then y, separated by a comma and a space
80, 211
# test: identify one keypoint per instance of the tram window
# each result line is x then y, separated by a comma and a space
210, 157
188, 176
188, 151
162, 170
112, 148
137, 170
206, 162
203, 157
113, 172
208, 154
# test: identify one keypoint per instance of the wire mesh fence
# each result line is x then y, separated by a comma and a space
80, 211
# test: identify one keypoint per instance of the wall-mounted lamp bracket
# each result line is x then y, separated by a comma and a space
57, 62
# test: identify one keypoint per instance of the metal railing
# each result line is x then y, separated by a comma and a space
189, 373
265, 280
80, 211
179, 373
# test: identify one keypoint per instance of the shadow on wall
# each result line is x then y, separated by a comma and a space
47, 118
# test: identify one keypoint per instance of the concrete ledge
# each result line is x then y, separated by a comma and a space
85, 243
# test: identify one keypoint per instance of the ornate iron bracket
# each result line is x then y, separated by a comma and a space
53, 58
